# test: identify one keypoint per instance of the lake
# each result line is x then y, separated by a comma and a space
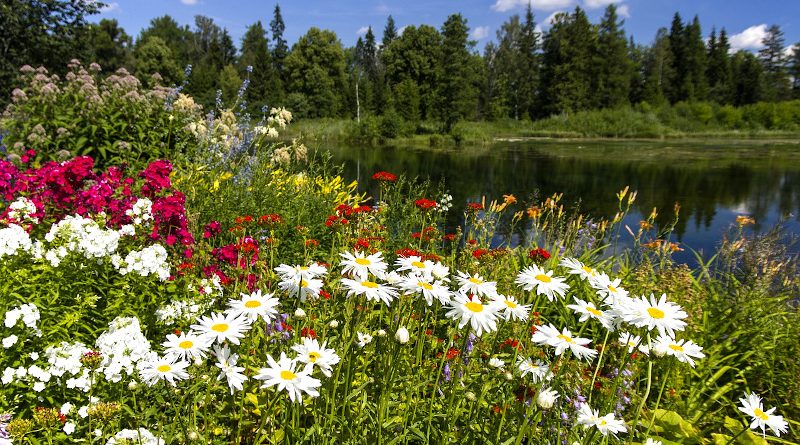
713, 181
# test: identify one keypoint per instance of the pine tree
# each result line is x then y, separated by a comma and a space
255, 63
527, 67
456, 92
657, 70
389, 33
776, 79
675, 87
794, 70
613, 62
695, 84
747, 75
718, 71
280, 49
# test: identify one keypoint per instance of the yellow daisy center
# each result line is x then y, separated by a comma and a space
363, 262
760, 414
476, 281
252, 304
678, 348
655, 313
220, 327
186, 344
511, 304
304, 268
418, 264
588, 270
612, 288
594, 311
303, 283
313, 356
566, 338
288, 375
474, 307
164, 368
603, 423
369, 284
543, 278
426, 286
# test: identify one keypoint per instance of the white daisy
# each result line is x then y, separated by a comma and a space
226, 362
429, 290
751, 405
372, 290
575, 267
562, 341
284, 375
546, 398
606, 424
302, 288
539, 371
543, 282
312, 354
589, 310
440, 272
413, 265
665, 316
470, 309
626, 339
683, 350
187, 345
475, 284
254, 305
164, 368
609, 290
222, 327
363, 339
360, 265
495, 362
297, 273
510, 308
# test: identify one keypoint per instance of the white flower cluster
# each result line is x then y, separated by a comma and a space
141, 437
280, 117
152, 260
141, 212
445, 203
177, 310
29, 314
122, 347
269, 131
81, 235
22, 209
13, 239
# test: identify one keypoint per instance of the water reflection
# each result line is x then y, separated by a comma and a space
712, 182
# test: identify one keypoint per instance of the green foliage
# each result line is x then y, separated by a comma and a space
113, 118
316, 69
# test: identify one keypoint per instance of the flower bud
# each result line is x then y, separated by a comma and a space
381, 333
333, 324
402, 335
546, 398
300, 313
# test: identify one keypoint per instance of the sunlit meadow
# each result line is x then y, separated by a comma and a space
243, 292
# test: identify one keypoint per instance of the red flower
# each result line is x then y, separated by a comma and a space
384, 177
324, 294
425, 204
474, 207
312, 243
479, 253
308, 332
270, 219
407, 252
538, 254
449, 237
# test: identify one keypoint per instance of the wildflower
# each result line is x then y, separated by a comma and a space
425, 204
226, 362
302, 288
402, 335
606, 424
683, 350
546, 398
363, 339
313, 354
495, 362
10, 341
187, 345
361, 265
297, 273
538, 254
371, 290
589, 310
744, 220
650, 441
539, 371
140, 437
470, 309
510, 308
254, 305
414, 265
222, 327
665, 316
535, 278
164, 368
575, 267
384, 177
428, 290
562, 341
284, 375
631, 341
475, 284
609, 290
751, 405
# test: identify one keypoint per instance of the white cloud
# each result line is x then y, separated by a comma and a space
750, 38
190, 2
109, 7
594, 4
363, 30
546, 5
401, 29
551, 18
788, 51
624, 11
479, 33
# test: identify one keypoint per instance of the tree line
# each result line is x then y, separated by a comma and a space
421, 73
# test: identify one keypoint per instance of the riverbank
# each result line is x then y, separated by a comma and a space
683, 121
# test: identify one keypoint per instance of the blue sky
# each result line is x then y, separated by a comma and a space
745, 20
